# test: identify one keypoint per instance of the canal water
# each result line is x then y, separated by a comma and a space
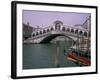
43, 56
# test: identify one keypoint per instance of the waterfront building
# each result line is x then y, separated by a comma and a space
27, 31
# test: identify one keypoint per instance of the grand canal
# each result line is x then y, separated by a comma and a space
43, 55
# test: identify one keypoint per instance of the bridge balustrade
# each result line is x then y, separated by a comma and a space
66, 30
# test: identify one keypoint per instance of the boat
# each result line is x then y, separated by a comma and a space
79, 58
80, 52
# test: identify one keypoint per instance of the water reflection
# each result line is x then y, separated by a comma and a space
43, 55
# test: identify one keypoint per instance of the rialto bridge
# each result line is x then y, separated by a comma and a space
46, 34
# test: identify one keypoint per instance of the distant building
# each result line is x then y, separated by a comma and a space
87, 23
37, 28
27, 30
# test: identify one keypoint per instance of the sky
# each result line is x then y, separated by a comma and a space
46, 18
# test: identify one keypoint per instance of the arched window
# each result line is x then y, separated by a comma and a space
36, 33
57, 26
72, 30
48, 30
40, 32
52, 29
68, 30
81, 33
44, 31
33, 34
63, 29
85, 34
76, 32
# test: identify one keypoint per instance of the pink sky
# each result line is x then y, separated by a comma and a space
44, 18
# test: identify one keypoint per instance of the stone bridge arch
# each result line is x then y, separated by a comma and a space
50, 37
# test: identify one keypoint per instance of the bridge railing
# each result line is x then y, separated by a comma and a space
58, 32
